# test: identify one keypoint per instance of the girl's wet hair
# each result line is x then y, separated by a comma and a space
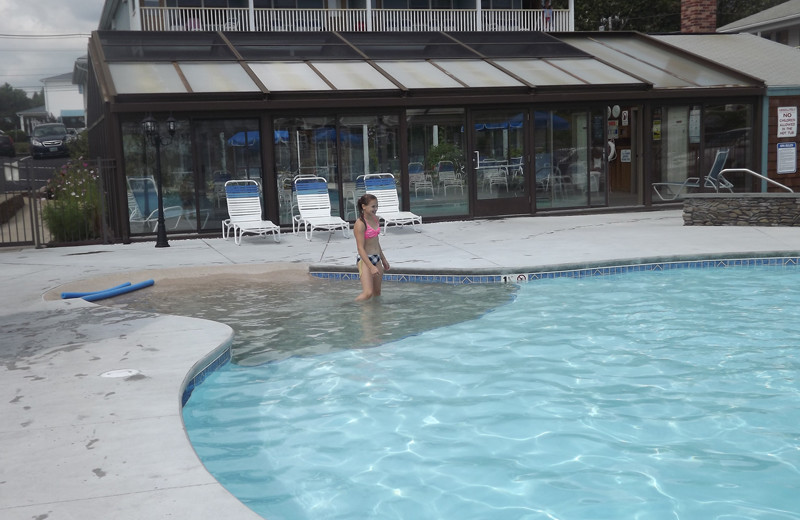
363, 201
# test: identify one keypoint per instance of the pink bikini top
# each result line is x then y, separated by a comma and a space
369, 232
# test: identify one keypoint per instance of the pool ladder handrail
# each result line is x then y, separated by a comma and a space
754, 174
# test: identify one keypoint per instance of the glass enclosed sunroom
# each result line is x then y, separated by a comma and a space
470, 124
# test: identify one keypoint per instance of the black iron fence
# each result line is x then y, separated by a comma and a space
47, 204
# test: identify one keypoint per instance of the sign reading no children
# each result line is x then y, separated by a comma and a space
787, 121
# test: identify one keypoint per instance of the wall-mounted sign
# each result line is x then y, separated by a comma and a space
656, 129
787, 157
787, 121
625, 155
624, 118
613, 130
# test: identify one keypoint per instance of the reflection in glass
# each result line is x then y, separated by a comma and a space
498, 154
436, 180
140, 178
369, 144
566, 170
304, 146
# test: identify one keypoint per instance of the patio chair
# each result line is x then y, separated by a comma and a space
243, 198
383, 186
672, 190
418, 179
143, 192
495, 176
549, 181
314, 207
448, 178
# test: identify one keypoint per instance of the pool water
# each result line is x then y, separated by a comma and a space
646, 395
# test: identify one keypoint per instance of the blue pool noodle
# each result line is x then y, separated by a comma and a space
120, 290
115, 291
67, 295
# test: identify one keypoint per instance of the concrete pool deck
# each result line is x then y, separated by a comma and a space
91, 395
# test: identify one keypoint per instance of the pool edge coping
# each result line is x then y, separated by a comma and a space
565, 270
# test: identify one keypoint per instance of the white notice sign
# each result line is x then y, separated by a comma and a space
787, 157
787, 121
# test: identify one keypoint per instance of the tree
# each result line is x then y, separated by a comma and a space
654, 16
12, 100
629, 15
731, 10
38, 99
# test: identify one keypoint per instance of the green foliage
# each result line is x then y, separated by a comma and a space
12, 100
444, 152
73, 211
732, 10
79, 147
629, 15
654, 16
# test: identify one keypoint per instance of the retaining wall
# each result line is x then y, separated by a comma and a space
741, 209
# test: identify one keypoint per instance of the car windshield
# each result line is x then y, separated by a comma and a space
44, 131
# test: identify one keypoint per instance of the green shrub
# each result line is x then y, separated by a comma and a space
73, 211
79, 147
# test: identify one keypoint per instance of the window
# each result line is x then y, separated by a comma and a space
437, 185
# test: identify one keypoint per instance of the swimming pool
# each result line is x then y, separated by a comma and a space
646, 395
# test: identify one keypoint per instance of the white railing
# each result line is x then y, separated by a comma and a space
754, 174
278, 20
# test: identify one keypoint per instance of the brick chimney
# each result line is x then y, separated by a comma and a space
698, 16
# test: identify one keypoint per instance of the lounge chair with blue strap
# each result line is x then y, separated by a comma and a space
314, 207
714, 179
383, 186
244, 211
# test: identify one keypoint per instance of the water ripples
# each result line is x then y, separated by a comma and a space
651, 395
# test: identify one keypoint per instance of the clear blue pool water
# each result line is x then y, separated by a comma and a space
671, 395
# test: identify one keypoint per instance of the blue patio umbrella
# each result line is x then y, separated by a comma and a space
252, 138
328, 133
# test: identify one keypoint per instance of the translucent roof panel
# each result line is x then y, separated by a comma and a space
517, 44
658, 77
279, 76
407, 45
594, 72
353, 75
217, 77
477, 73
539, 72
271, 46
693, 71
418, 74
163, 46
145, 78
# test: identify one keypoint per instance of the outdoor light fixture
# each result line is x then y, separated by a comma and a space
150, 128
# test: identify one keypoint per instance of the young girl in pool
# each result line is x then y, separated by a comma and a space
371, 262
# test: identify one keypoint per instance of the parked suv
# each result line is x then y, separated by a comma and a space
49, 140
7, 146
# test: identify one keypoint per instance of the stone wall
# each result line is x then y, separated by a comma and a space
741, 209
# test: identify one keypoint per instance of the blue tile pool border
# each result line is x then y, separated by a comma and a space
546, 273
205, 368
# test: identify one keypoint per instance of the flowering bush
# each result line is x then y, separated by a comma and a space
73, 211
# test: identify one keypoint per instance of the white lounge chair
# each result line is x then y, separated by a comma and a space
244, 209
673, 190
383, 186
314, 207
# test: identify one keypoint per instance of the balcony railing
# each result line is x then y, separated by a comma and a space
272, 20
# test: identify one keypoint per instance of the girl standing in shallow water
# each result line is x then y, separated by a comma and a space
371, 262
